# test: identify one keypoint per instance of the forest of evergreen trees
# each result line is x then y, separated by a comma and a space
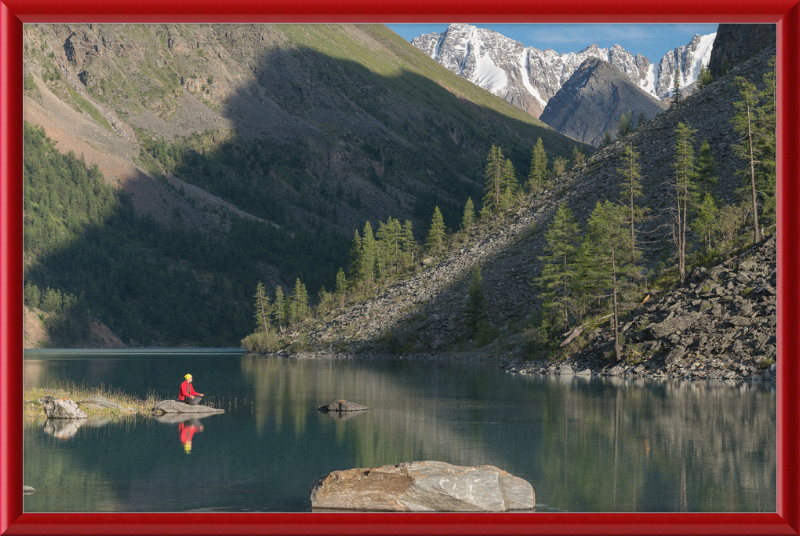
152, 285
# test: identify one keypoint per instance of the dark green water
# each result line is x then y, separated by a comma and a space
585, 444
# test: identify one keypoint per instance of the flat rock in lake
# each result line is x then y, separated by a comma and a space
27, 490
427, 486
98, 402
176, 406
342, 405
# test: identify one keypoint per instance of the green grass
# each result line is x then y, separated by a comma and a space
87, 107
73, 391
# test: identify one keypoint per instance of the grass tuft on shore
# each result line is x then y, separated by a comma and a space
131, 404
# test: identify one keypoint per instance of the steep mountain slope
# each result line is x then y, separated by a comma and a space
736, 43
529, 77
426, 313
284, 137
592, 101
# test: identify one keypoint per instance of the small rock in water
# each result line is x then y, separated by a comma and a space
342, 405
426, 486
27, 490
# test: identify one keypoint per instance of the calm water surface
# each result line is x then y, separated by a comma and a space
585, 444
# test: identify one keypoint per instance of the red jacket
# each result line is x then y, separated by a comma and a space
186, 432
186, 390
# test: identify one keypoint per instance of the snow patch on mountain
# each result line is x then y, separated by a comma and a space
529, 77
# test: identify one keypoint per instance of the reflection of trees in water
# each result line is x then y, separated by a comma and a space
409, 429
595, 444
702, 446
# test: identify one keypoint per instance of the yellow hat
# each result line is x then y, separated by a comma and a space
187, 447
188, 376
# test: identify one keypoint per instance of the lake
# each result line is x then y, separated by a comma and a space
586, 444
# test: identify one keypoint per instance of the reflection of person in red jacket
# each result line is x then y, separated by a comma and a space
187, 431
188, 394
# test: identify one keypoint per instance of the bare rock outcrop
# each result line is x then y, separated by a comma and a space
426, 486
61, 408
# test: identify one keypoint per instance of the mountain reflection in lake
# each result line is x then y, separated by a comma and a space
585, 444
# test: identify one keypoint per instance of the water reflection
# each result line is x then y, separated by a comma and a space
187, 431
584, 443
66, 428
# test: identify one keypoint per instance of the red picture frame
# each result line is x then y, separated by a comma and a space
13, 13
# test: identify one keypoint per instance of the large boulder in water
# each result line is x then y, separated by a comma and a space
176, 406
342, 405
427, 486
61, 408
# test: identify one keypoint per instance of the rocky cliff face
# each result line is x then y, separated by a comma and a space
529, 77
425, 313
592, 101
736, 43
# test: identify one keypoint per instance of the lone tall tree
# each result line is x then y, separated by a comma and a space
685, 175
631, 188
744, 121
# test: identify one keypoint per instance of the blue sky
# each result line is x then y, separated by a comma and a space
651, 40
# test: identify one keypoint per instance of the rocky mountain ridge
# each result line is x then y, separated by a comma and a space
424, 315
593, 101
528, 77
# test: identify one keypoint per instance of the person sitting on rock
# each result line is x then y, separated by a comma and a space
188, 394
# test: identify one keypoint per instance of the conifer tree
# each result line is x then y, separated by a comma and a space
704, 76
606, 139
744, 122
299, 302
341, 287
607, 230
368, 254
279, 309
559, 268
262, 309
625, 125
630, 189
469, 215
685, 189
706, 169
494, 178
559, 166
767, 145
354, 268
577, 157
397, 243
706, 217
474, 312
382, 248
409, 244
510, 186
676, 87
640, 121
538, 167
436, 234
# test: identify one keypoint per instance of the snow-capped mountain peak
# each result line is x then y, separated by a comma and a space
529, 77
